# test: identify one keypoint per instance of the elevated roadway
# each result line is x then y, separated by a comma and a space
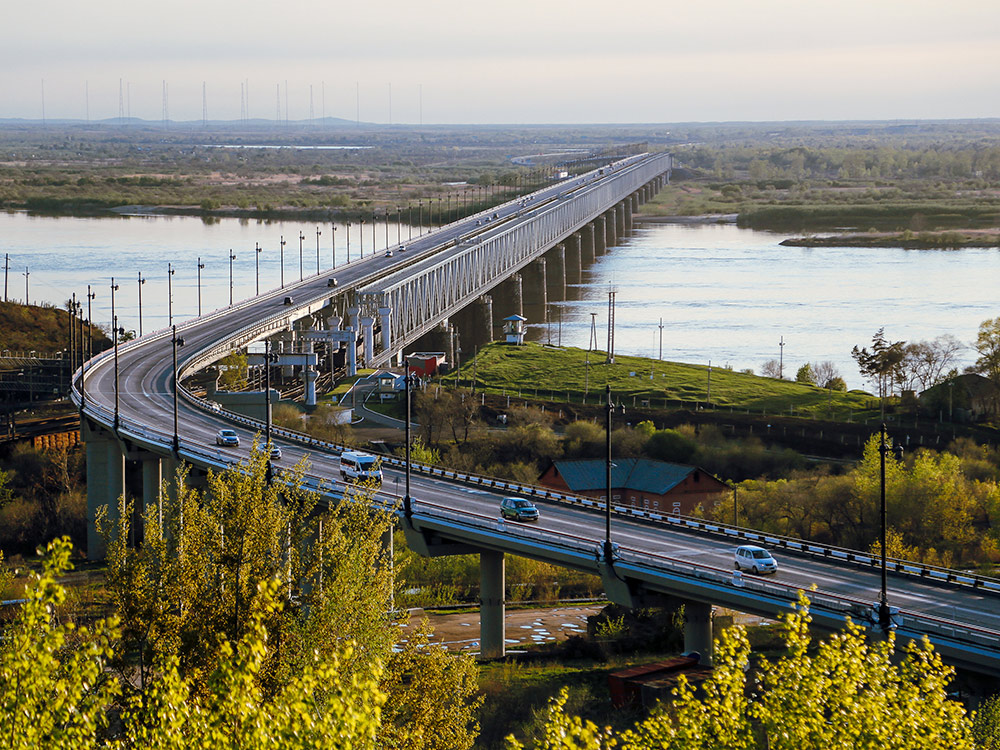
659, 559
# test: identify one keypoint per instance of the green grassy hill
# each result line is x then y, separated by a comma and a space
562, 374
25, 328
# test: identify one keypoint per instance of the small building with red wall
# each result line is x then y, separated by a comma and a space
655, 486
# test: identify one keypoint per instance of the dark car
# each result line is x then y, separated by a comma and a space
518, 509
227, 437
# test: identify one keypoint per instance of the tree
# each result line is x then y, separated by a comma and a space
805, 374
233, 371
846, 692
671, 445
988, 347
53, 687
881, 364
826, 372
771, 369
927, 363
195, 584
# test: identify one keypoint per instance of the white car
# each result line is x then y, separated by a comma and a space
755, 559
388, 252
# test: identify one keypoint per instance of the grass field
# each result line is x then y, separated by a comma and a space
564, 375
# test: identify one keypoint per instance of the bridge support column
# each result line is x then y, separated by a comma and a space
385, 315
600, 235
368, 336
352, 352
558, 276
619, 211
610, 238
309, 376
105, 484
491, 611
152, 478
627, 214
484, 315
588, 251
698, 629
354, 313
574, 259
517, 294
442, 341
543, 285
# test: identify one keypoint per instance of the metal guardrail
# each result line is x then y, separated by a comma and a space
642, 560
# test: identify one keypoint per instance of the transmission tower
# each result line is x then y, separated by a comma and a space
121, 102
611, 326
204, 105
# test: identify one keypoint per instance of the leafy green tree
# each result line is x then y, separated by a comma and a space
988, 347
805, 374
881, 365
54, 690
986, 724
671, 445
847, 692
194, 587
233, 371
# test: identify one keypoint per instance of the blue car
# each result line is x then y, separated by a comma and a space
518, 509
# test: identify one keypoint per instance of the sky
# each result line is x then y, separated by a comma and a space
517, 61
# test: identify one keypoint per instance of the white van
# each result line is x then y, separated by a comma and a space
360, 467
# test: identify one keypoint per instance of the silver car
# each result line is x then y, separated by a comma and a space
755, 559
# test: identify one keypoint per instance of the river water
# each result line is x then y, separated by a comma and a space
725, 295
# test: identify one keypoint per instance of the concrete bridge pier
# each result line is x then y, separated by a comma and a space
491, 608
574, 259
484, 318
634, 202
610, 237
557, 276
588, 251
627, 214
309, 375
600, 235
352, 352
368, 337
441, 340
540, 292
698, 629
384, 314
105, 483
517, 294
152, 482
619, 212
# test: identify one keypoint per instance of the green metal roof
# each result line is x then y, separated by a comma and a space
639, 474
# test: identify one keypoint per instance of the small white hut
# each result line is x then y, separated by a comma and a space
513, 328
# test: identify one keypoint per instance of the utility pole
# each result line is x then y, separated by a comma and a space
781, 359
611, 326
6, 269
661, 339
26, 275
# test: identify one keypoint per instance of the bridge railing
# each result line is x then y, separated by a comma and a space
418, 300
913, 624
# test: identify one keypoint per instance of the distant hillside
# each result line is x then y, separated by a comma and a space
45, 330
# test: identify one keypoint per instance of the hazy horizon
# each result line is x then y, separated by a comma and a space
518, 63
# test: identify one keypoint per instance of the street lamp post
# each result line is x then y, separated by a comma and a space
170, 295
141, 282
348, 242
268, 358
407, 501
281, 246
201, 267
420, 217
884, 613
90, 325
374, 240
608, 547
333, 244
176, 341
114, 334
302, 238
361, 237
257, 250
399, 225
318, 233
232, 257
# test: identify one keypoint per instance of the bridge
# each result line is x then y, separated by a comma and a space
369, 311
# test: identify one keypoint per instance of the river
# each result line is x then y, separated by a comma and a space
725, 295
